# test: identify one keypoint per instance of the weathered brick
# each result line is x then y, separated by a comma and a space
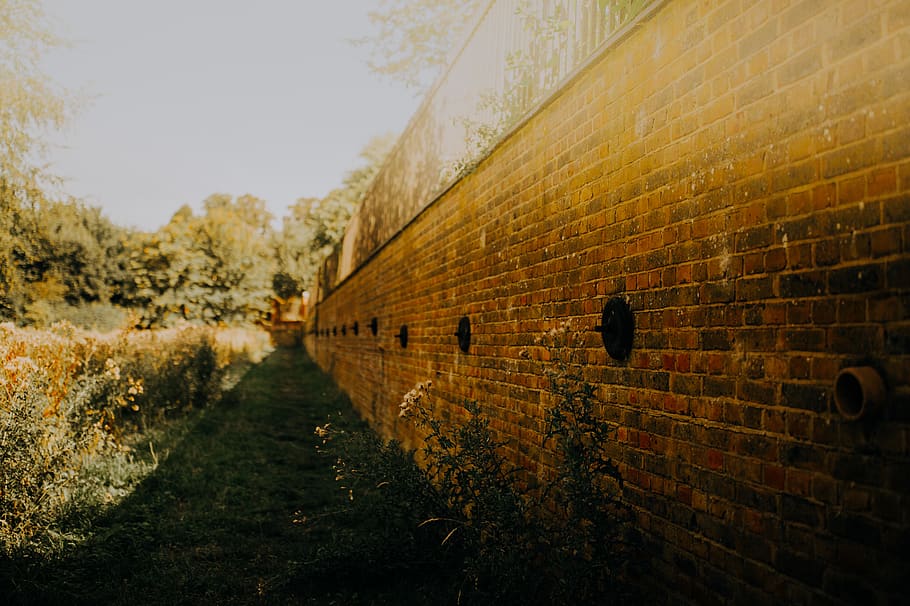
855, 339
756, 498
751, 289
718, 292
850, 158
803, 284
805, 64
804, 339
898, 273
897, 340
856, 279
805, 569
804, 396
758, 223
855, 527
896, 145
756, 237
754, 391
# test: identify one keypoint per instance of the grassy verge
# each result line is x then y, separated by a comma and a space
219, 521
257, 500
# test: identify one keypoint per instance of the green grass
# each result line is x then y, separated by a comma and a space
218, 522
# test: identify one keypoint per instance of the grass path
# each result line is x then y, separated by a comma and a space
215, 523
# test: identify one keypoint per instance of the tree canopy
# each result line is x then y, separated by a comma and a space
30, 102
216, 267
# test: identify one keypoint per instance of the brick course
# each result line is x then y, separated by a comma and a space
738, 172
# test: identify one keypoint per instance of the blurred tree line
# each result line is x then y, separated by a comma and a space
222, 265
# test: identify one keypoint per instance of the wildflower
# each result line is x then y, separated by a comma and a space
323, 432
135, 388
20, 364
412, 400
111, 369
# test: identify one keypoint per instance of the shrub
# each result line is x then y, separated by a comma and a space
71, 406
378, 530
564, 542
96, 316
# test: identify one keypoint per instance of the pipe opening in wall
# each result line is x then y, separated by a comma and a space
464, 334
858, 392
402, 335
617, 328
356, 328
374, 326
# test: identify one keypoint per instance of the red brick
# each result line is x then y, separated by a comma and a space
774, 476
761, 251
715, 459
881, 181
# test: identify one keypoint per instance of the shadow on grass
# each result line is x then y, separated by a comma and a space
215, 523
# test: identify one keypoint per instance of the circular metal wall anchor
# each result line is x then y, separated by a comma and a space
402, 335
464, 334
374, 326
344, 329
617, 327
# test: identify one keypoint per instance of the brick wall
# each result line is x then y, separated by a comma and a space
739, 172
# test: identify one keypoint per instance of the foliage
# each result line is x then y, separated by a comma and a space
314, 226
221, 520
484, 514
61, 255
564, 542
378, 529
529, 73
594, 552
415, 37
214, 268
69, 403
534, 70
30, 103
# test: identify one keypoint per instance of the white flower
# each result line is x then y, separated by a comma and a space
111, 369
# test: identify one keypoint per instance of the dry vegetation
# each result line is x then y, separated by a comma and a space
75, 405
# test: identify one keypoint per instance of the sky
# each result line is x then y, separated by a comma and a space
186, 98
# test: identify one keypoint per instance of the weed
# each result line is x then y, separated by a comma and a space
71, 404
494, 539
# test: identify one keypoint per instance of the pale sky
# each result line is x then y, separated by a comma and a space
194, 97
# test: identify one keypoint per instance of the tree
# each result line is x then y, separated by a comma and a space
213, 268
30, 103
58, 255
314, 226
414, 37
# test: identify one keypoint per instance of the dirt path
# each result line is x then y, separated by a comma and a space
215, 523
